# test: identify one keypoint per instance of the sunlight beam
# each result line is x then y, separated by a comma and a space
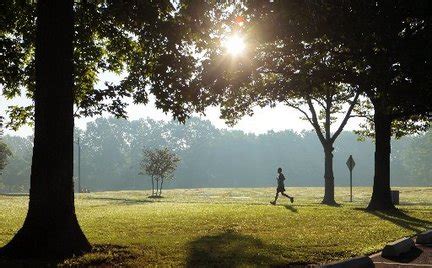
234, 45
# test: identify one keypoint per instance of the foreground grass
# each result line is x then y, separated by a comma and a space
230, 227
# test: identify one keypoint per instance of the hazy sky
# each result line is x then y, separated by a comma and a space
276, 119
264, 119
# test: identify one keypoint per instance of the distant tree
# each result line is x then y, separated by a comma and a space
417, 158
5, 153
160, 165
17, 172
113, 153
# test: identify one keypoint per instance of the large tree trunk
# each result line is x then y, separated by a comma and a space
381, 195
153, 192
51, 228
328, 175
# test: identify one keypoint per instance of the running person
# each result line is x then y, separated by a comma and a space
281, 187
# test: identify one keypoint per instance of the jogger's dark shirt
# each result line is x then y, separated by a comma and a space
281, 185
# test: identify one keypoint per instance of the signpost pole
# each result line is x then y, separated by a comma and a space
350, 185
350, 164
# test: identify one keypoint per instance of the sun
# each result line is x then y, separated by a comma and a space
234, 45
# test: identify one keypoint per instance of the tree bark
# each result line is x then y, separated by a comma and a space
160, 189
381, 195
51, 229
329, 198
152, 179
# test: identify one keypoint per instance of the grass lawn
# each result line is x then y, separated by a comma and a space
230, 227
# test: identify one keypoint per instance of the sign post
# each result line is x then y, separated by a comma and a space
350, 164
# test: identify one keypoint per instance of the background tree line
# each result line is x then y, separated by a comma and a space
112, 151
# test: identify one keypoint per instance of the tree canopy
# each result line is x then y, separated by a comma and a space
142, 42
377, 49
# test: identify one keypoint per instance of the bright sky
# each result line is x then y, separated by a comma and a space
265, 119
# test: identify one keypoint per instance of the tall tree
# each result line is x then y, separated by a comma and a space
45, 234
320, 110
390, 44
142, 35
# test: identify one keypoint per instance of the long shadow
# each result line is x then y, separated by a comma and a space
231, 249
152, 200
125, 201
336, 205
293, 209
105, 255
416, 204
401, 219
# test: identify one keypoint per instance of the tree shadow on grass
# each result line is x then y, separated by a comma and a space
401, 219
231, 249
125, 201
336, 205
106, 255
416, 204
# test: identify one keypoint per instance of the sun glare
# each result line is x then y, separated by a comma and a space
234, 45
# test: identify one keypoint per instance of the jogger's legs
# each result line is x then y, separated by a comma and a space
284, 194
290, 197
276, 197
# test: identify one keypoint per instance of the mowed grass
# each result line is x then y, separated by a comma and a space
231, 227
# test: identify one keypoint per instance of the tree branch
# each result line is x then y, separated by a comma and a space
314, 121
302, 111
327, 116
347, 116
369, 118
319, 102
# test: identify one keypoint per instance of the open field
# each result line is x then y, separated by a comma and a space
230, 227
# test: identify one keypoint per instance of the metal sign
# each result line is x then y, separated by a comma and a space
350, 163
